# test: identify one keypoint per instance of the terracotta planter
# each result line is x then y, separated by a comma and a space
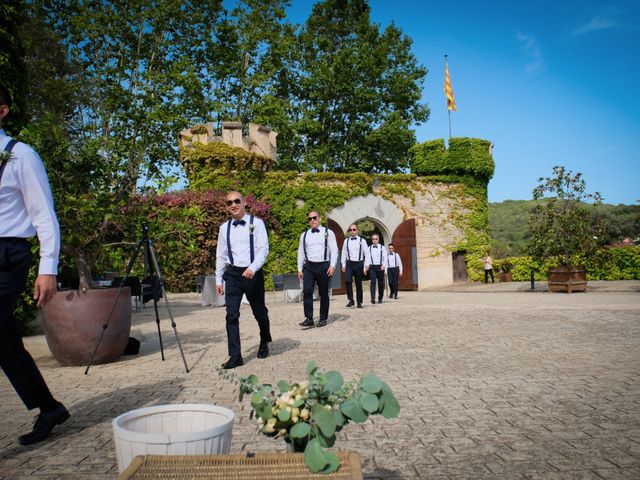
567, 279
505, 277
73, 322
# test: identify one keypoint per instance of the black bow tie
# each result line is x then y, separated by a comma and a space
374, 246
352, 238
238, 222
315, 230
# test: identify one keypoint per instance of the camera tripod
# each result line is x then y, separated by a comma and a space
157, 288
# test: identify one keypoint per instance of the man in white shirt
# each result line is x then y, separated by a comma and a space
317, 260
26, 209
377, 260
243, 246
394, 270
355, 263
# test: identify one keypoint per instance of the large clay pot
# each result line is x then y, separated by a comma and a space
73, 321
567, 279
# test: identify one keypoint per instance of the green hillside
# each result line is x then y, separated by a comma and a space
508, 222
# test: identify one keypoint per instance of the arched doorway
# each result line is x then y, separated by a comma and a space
404, 240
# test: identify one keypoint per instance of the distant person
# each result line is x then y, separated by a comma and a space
26, 209
355, 263
317, 260
488, 268
377, 260
394, 271
243, 246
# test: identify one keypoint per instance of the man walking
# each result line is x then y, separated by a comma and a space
243, 246
355, 263
317, 260
394, 270
26, 209
377, 261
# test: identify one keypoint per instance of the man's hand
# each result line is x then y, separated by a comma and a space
44, 289
220, 289
248, 273
400, 273
344, 269
365, 270
330, 271
300, 276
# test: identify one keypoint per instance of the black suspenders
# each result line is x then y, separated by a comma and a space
229, 254
304, 244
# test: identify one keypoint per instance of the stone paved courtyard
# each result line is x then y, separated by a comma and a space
494, 381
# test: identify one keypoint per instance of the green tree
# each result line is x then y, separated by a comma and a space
12, 65
357, 94
135, 68
561, 226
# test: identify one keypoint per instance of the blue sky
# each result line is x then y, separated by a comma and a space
548, 82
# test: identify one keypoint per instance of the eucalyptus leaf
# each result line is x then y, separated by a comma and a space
283, 386
324, 419
334, 381
300, 430
314, 456
353, 410
333, 463
369, 402
311, 368
371, 383
326, 442
391, 407
265, 412
284, 415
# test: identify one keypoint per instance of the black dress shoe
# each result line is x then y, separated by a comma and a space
359, 305
233, 362
350, 304
322, 322
308, 322
379, 300
44, 424
373, 301
263, 350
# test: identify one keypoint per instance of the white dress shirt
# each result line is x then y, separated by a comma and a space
394, 260
377, 255
241, 247
26, 204
354, 249
314, 244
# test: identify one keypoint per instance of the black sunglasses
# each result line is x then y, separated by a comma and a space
237, 201
353, 229
315, 217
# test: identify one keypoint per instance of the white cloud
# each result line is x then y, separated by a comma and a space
535, 63
595, 24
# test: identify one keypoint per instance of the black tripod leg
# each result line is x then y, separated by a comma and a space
155, 307
106, 324
166, 301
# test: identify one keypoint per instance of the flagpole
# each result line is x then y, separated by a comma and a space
448, 111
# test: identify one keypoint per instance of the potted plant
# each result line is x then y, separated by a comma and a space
563, 229
505, 271
308, 414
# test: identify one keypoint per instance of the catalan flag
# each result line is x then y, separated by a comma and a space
448, 91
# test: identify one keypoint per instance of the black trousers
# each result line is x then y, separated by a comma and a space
376, 274
235, 286
393, 274
17, 363
354, 269
486, 276
315, 273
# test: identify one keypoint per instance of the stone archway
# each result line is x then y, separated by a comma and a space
389, 219
385, 214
